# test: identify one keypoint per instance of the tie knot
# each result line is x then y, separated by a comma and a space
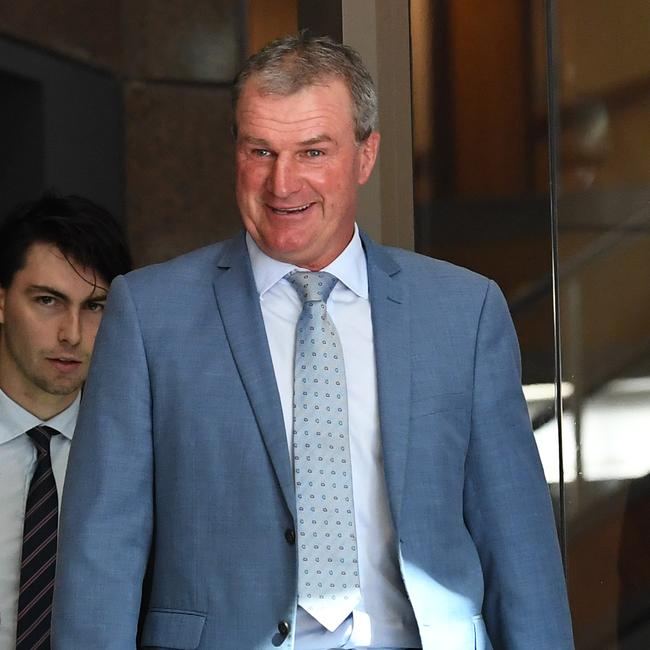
312, 286
41, 436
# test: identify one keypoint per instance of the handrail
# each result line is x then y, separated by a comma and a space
614, 239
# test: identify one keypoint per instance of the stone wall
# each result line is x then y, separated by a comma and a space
174, 62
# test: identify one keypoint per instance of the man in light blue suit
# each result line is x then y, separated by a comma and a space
184, 524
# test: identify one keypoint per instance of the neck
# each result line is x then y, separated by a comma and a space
40, 404
41, 408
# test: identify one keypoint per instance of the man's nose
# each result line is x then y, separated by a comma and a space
70, 328
284, 177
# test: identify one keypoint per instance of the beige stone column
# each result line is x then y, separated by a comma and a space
379, 30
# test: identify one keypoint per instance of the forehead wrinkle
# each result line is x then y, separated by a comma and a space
256, 129
294, 121
271, 117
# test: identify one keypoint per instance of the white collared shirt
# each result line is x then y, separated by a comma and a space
384, 617
17, 465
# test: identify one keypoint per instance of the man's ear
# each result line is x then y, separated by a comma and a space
2, 305
368, 151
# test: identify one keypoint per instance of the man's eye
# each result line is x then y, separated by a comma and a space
261, 153
95, 306
45, 300
315, 153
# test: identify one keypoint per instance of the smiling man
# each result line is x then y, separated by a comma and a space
57, 258
299, 167
299, 438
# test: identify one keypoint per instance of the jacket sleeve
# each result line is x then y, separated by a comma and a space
507, 504
107, 512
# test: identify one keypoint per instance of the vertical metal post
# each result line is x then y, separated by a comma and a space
553, 144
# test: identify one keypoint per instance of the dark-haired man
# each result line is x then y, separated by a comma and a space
57, 259
299, 438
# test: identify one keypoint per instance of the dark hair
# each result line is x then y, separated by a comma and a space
288, 64
84, 232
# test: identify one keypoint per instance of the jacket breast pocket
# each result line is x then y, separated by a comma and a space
428, 404
170, 628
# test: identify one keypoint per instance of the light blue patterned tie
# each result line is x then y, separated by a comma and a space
328, 581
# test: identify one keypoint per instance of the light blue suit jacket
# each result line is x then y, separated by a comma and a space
179, 492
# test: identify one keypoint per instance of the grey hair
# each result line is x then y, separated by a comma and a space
288, 64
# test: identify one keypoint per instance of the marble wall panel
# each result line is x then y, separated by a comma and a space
179, 168
190, 40
90, 32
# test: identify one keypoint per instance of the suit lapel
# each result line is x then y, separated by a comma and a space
239, 307
238, 304
391, 331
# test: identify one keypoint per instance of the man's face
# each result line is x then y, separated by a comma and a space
49, 316
299, 168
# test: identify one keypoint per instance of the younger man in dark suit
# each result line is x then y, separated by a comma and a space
57, 259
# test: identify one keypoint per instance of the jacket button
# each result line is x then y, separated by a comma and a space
290, 536
284, 628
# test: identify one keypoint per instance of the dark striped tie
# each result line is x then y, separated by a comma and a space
39, 549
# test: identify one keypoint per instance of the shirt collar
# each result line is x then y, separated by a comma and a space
349, 267
15, 420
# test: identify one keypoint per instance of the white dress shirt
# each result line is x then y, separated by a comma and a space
17, 465
384, 617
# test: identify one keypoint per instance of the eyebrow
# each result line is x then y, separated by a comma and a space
102, 295
251, 140
318, 139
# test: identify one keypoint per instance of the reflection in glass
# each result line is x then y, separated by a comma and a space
481, 194
604, 217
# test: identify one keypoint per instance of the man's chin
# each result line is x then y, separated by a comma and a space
61, 388
285, 250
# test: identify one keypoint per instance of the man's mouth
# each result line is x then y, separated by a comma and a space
296, 210
65, 364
